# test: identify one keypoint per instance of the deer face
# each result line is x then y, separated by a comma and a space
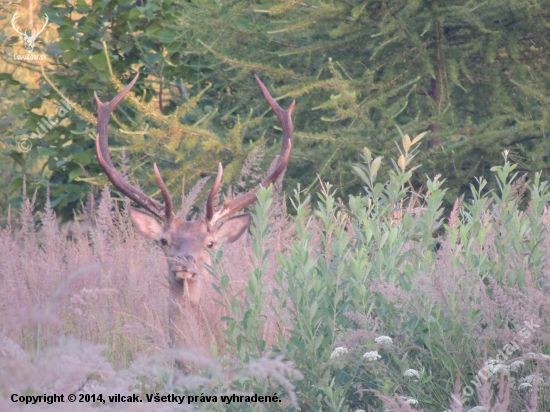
186, 244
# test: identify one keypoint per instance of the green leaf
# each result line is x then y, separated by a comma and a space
99, 61
9, 78
17, 109
44, 151
82, 158
224, 281
361, 174
75, 173
135, 13
165, 36
152, 29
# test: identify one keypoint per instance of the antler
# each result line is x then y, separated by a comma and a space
15, 17
35, 35
240, 202
164, 212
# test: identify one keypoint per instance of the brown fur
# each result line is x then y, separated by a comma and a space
186, 246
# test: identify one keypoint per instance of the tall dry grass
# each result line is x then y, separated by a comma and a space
95, 279
83, 308
366, 304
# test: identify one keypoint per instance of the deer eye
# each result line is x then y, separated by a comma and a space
163, 242
210, 245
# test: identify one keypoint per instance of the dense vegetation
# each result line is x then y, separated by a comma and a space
426, 289
343, 307
473, 74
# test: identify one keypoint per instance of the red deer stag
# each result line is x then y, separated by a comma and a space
186, 243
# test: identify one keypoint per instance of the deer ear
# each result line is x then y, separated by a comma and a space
233, 228
146, 225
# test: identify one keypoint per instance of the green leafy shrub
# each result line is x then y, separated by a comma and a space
384, 311
373, 303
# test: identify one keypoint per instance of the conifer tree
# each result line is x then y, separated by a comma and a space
473, 74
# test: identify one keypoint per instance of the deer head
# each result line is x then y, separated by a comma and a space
186, 243
29, 41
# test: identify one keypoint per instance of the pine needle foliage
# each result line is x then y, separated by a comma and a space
470, 73
164, 120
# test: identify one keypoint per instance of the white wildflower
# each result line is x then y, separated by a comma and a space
478, 409
371, 356
531, 378
524, 385
409, 373
500, 367
411, 401
493, 367
528, 378
339, 351
384, 341
514, 366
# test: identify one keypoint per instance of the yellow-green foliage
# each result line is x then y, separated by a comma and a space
373, 302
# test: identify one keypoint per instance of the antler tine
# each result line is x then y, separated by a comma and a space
168, 215
248, 198
13, 23
46, 20
104, 158
212, 194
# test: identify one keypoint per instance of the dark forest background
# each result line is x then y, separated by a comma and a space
473, 74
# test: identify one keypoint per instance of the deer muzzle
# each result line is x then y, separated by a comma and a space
184, 267
182, 274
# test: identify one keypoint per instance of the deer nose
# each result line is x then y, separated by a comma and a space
189, 259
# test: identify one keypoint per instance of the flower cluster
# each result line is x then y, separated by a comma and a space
409, 373
339, 351
477, 409
371, 356
384, 341
514, 366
